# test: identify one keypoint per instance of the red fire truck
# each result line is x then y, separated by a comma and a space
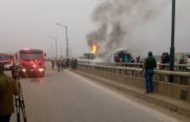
32, 62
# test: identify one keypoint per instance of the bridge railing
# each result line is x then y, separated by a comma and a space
177, 67
132, 76
161, 75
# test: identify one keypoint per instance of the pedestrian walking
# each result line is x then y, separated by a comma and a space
72, 63
8, 87
52, 64
68, 63
58, 65
75, 63
149, 66
62, 64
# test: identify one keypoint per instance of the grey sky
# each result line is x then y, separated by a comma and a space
30, 23
160, 29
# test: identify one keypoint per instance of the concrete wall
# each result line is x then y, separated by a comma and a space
180, 89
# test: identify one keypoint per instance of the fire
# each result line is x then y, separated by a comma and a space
93, 49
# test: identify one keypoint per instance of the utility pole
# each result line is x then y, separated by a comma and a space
67, 42
172, 48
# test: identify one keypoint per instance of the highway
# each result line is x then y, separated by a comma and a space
68, 97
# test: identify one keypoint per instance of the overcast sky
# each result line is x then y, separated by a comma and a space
31, 23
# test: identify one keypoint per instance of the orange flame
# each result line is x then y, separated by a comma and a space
93, 49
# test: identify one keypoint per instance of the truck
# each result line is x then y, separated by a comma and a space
31, 62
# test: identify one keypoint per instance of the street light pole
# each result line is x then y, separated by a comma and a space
67, 39
172, 48
67, 42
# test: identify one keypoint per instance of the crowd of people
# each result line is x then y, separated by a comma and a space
123, 57
163, 60
183, 59
64, 63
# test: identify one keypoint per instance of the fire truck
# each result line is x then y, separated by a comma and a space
32, 62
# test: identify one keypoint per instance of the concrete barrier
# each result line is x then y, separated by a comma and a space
179, 89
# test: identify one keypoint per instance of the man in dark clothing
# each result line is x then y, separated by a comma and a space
165, 59
68, 63
52, 64
72, 63
149, 66
62, 64
75, 63
138, 59
8, 87
58, 65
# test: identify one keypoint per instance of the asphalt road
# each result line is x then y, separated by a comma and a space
68, 97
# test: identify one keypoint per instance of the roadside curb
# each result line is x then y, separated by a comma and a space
174, 105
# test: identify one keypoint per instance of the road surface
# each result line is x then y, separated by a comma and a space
68, 97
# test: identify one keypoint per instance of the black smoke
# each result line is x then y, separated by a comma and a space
117, 19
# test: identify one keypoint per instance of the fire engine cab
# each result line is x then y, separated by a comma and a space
32, 62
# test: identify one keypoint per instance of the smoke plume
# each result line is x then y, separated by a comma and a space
118, 19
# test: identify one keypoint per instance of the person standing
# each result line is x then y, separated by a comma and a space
59, 65
52, 64
138, 59
75, 63
149, 66
8, 87
72, 63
